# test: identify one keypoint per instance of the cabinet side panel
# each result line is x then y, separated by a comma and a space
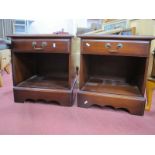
83, 70
23, 67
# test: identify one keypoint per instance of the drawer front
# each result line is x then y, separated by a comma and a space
115, 47
41, 45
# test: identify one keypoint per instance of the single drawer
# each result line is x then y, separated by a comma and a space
116, 47
41, 45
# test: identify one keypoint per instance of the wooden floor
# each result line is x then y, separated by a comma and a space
110, 85
46, 82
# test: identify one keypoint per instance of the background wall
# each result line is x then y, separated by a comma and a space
6, 27
143, 27
54, 25
146, 27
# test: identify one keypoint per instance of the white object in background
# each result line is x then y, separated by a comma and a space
53, 25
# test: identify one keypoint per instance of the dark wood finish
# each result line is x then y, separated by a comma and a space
134, 105
53, 45
43, 74
129, 70
59, 96
110, 85
48, 82
129, 48
119, 37
114, 78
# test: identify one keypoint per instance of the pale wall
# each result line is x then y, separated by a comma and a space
146, 27
54, 25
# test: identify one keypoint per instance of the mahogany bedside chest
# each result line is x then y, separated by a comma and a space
42, 68
113, 71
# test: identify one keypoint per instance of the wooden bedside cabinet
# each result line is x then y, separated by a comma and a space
42, 68
113, 71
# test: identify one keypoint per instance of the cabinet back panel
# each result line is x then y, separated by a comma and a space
53, 64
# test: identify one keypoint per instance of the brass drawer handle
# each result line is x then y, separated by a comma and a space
108, 45
34, 46
119, 45
112, 51
43, 44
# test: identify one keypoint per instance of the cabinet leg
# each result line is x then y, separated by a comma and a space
65, 103
18, 99
137, 110
150, 86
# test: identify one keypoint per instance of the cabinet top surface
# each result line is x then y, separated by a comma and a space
121, 37
40, 36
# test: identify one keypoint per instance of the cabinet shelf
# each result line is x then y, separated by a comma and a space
45, 82
110, 85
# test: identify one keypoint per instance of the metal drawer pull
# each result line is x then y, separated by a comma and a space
108, 45
87, 44
54, 45
38, 48
112, 51
119, 45
44, 44
34, 44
